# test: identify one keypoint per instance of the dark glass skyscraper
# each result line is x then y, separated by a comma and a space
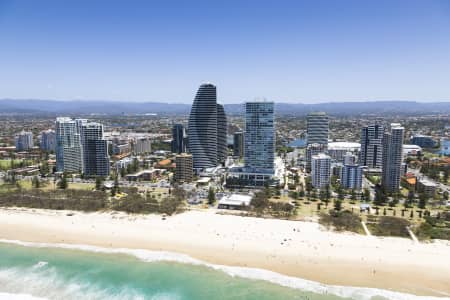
95, 150
371, 146
221, 134
178, 139
238, 144
202, 128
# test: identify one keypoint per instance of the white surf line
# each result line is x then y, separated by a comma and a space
366, 229
352, 292
412, 235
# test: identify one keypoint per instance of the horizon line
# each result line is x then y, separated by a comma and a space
230, 103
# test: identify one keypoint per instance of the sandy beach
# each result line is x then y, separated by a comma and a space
300, 249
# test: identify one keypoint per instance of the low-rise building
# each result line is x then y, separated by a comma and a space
145, 175
427, 187
423, 141
234, 201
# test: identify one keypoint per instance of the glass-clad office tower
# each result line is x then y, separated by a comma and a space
259, 138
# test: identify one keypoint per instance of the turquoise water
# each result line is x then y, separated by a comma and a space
55, 273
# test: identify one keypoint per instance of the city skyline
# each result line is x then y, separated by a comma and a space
298, 52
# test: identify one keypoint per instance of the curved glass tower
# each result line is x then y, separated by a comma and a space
202, 128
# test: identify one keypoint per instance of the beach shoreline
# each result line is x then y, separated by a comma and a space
292, 248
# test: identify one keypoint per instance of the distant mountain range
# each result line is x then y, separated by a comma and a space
76, 107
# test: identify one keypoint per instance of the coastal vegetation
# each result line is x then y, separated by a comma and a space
341, 220
388, 226
126, 199
437, 227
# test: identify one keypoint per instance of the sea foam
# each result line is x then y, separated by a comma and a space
357, 293
9, 296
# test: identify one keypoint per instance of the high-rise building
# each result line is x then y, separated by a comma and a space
351, 176
202, 128
392, 158
142, 145
95, 150
222, 148
259, 140
48, 140
317, 127
184, 168
371, 154
238, 144
311, 150
178, 139
69, 156
320, 170
24, 141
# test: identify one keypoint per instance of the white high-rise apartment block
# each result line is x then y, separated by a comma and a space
311, 150
69, 153
392, 158
320, 170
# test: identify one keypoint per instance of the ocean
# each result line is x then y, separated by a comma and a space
43, 271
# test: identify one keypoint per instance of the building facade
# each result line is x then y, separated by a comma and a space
202, 128
259, 139
371, 154
95, 150
184, 168
24, 141
142, 145
69, 157
337, 150
178, 139
311, 150
351, 176
392, 158
48, 140
222, 148
317, 127
320, 170
238, 144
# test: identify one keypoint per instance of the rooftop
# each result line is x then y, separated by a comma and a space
236, 200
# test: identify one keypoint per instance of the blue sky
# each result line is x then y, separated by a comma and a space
290, 51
